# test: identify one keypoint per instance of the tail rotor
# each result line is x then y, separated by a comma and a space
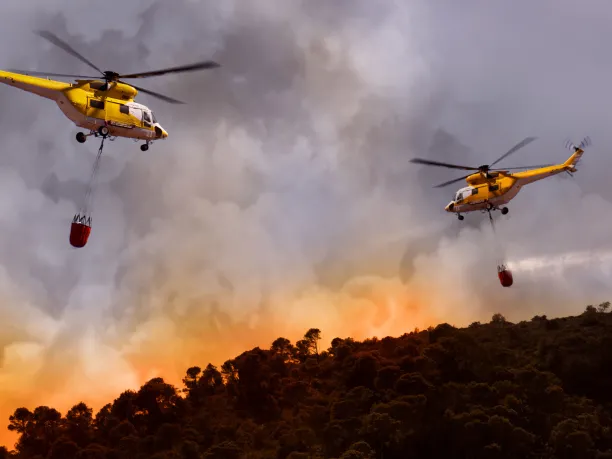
581, 146
573, 148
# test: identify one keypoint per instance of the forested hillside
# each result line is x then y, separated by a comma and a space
537, 389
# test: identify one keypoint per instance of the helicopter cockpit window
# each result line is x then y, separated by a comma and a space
146, 118
153, 117
465, 193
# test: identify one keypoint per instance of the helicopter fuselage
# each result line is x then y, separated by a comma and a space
92, 104
495, 189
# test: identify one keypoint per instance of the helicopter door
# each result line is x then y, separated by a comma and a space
120, 114
95, 108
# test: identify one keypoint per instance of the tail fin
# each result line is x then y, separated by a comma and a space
573, 160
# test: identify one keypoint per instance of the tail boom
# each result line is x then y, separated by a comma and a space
530, 176
49, 89
571, 162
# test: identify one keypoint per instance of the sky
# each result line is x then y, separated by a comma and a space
283, 198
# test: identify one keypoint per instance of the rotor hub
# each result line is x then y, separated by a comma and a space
109, 75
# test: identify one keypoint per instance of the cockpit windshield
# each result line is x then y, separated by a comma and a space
465, 193
153, 117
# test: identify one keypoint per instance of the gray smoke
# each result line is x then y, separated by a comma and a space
284, 197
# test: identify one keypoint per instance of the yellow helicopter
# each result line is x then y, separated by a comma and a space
103, 105
488, 188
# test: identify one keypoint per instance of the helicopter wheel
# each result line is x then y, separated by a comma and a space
144, 147
504, 210
460, 217
80, 137
103, 131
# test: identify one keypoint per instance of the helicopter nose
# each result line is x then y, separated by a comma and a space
449, 207
160, 132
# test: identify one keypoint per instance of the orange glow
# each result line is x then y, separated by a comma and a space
166, 345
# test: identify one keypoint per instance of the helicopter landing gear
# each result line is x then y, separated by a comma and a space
103, 131
145, 146
460, 217
504, 210
81, 137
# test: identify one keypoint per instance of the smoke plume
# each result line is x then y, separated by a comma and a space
284, 198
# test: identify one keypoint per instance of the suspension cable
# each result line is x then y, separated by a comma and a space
90, 185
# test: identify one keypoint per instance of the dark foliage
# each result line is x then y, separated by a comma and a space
537, 389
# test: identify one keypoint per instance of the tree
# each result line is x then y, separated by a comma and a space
158, 402
40, 429
93, 451
19, 420
190, 450
190, 381
211, 380
168, 436
229, 372
603, 307
79, 420
312, 337
302, 350
382, 431
63, 449
104, 421
334, 344
498, 319
281, 346
363, 371
225, 450
387, 377
359, 450
124, 406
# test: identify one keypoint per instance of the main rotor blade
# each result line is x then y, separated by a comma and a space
182, 68
29, 72
450, 182
437, 163
156, 94
515, 148
66, 47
